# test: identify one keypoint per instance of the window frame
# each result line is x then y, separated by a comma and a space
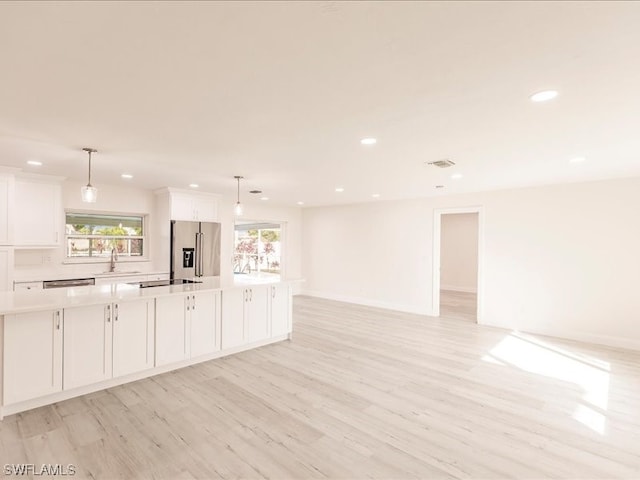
122, 259
255, 225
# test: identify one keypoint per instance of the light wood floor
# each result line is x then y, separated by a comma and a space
359, 393
458, 305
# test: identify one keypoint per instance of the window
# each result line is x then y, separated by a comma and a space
257, 248
94, 236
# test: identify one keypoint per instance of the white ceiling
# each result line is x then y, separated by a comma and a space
282, 93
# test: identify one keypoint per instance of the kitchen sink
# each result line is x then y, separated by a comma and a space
120, 272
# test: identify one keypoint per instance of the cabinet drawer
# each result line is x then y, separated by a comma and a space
19, 286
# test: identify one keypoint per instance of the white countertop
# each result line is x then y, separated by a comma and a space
38, 300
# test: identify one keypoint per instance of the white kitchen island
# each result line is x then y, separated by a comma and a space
62, 343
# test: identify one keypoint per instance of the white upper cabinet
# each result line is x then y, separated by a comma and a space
193, 207
6, 268
38, 213
6, 209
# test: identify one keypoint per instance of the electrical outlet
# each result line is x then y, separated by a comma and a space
46, 259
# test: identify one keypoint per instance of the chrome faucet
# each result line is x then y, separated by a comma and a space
114, 259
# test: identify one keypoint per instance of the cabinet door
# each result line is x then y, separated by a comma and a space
133, 335
40, 216
171, 338
182, 207
87, 345
257, 314
32, 355
6, 269
280, 309
204, 307
206, 209
6, 209
233, 306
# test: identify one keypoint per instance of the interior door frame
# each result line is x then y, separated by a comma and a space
437, 231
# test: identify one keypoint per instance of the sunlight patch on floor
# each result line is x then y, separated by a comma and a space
535, 356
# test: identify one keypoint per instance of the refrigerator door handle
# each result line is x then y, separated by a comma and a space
201, 257
198, 255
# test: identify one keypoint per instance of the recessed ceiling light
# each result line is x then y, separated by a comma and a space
128, 176
264, 198
35, 163
339, 189
368, 141
577, 159
544, 96
300, 203
375, 195
194, 185
456, 176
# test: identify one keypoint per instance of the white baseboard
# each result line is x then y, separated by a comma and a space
605, 340
609, 341
459, 289
368, 302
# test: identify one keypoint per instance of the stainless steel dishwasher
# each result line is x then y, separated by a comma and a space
69, 282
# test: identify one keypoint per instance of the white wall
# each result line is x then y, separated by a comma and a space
459, 252
561, 260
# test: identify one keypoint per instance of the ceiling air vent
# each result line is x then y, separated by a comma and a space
442, 163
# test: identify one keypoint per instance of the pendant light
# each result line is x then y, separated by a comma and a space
89, 192
238, 208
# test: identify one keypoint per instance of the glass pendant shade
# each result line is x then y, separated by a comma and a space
238, 209
89, 194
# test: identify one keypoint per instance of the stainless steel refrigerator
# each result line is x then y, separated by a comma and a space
195, 249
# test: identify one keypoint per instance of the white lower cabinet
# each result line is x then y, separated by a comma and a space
59, 350
133, 336
280, 309
257, 314
233, 326
88, 336
32, 355
105, 341
205, 324
186, 326
245, 316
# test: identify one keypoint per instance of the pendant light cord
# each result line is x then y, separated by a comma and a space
89, 168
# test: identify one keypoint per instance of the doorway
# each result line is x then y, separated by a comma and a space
457, 256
